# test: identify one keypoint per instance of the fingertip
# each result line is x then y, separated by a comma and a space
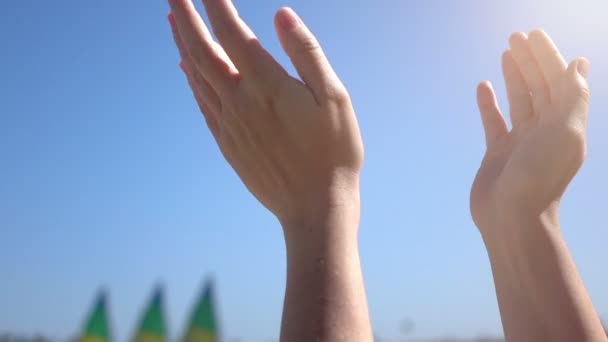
517, 38
507, 58
509, 63
287, 19
491, 117
484, 87
485, 95
579, 67
537, 33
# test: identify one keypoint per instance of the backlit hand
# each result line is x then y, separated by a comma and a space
528, 168
294, 143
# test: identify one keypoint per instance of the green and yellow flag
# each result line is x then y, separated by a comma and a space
96, 327
152, 327
203, 324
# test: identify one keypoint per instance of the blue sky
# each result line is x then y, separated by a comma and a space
109, 178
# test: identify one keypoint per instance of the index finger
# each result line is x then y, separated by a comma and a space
238, 40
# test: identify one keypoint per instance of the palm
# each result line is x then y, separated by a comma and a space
532, 164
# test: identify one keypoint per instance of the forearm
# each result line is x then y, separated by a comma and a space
539, 290
325, 296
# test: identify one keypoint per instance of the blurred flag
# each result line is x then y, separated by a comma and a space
152, 327
96, 328
203, 323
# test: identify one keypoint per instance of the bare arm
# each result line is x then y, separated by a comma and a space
295, 144
540, 293
516, 195
325, 298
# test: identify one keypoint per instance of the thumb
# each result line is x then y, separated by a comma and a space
306, 55
577, 86
582, 67
493, 122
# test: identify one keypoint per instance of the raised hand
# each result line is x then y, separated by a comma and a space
516, 194
295, 144
529, 167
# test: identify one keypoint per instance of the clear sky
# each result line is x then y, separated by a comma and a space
109, 178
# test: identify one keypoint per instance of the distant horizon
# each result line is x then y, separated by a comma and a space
39, 336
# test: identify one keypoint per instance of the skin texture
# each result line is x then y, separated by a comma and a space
295, 144
516, 195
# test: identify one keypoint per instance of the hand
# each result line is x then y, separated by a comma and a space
528, 168
294, 143
516, 194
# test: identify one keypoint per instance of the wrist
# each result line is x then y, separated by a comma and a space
329, 209
517, 218
516, 231
323, 230
322, 224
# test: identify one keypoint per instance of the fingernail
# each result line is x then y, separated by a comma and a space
583, 67
289, 19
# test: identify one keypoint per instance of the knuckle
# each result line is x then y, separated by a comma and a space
338, 95
309, 44
341, 96
333, 93
583, 92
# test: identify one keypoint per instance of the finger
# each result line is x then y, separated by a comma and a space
551, 61
530, 70
520, 102
577, 95
493, 122
187, 65
215, 46
209, 114
306, 55
202, 86
209, 61
239, 42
